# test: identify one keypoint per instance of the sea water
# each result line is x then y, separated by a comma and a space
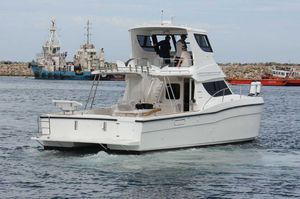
268, 167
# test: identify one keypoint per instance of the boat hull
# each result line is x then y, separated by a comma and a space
228, 126
267, 82
40, 73
225, 125
293, 82
264, 82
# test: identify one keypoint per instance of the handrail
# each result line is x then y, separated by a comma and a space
127, 66
240, 91
93, 91
222, 90
41, 126
167, 86
138, 59
172, 61
131, 66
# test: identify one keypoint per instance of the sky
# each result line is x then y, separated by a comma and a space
239, 30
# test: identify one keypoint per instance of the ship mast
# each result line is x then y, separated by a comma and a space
88, 34
53, 41
52, 45
52, 32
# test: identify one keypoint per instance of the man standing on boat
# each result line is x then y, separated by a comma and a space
180, 44
185, 58
164, 49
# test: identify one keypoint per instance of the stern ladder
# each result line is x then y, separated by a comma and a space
91, 98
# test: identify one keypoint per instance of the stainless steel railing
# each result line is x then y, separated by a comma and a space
223, 94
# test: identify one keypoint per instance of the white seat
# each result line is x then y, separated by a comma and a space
66, 105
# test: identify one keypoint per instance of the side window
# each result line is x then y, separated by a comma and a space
216, 88
203, 42
145, 42
173, 91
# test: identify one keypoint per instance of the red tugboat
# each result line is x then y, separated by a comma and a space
277, 78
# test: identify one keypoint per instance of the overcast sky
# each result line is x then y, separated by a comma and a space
239, 30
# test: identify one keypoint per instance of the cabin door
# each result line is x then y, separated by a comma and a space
188, 94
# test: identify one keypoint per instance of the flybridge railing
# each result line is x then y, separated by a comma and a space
223, 95
174, 62
139, 65
134, 65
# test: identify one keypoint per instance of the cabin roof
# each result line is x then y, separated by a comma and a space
167, 26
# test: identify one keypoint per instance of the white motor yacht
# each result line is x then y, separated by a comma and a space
165, 105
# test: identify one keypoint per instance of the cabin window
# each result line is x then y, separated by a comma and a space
160, 38
145, 42
187, 42
203, 42
173, 91
216, 88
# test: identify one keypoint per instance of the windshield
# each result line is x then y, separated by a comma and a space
203, 42
170, 49
148, 42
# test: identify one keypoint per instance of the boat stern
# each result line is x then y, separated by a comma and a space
69, 131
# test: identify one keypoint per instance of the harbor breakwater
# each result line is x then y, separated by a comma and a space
232, 70
15, 69
255, 71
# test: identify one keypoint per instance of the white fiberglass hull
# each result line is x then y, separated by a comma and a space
190, 129
233, 125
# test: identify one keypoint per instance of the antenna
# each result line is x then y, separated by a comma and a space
172, 19
162, 17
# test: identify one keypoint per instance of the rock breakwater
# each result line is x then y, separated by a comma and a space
254, 71
15, 69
